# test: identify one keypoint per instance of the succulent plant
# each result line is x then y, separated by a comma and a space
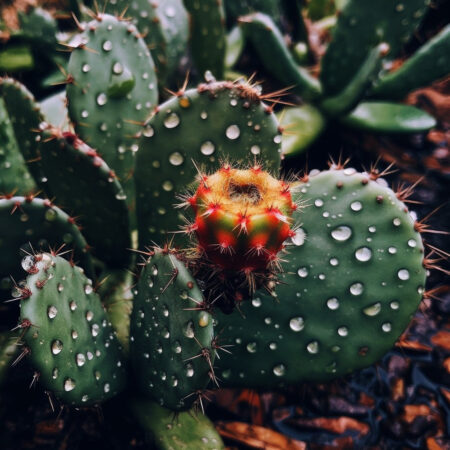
303, 278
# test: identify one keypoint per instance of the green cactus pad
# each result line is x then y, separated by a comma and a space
14, 175
113, 90
430, 62
170, 345
385, 117
82, 182
216, 121
72, 344
164, 27
235, 9
362, 25
26, 221
54, 109
208, 35
8, 349
234, 46
269, 44
353, 281
26, 120
350, 96
303, 125
186, 431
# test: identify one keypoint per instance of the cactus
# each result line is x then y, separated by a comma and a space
305, 278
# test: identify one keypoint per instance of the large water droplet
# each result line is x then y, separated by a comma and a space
52, 311
28, 263
57, 346
299, 237
176, 158
102, 99
72, 305
279, 370
372, 310
333, 303
69, 384
89, 315
397, 222
95, 329
297, 324
342, 331
106, 388
341, 233
356, 206
392, 250
80, 359
386, 327
302, 272
334, 261
356, 288
255, 150
318, 202
207, 148
88, 289
403, 274
107, 46
313, 347
233, 132
363, 254
172, 120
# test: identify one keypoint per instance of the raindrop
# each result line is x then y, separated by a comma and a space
203, 319
412, 243
273, 346
421, 290
85, 398
74, 334
397, 222
333, 303
89, 315
363, 254
356, 206
106, 388
117, 68
84, 114
403, 274
28, 263
313, 347
59, 287
55, 373
102, 99
279, 370
251, 347
69, 384
302, 272
318, 202
349, 171
334, 261
176, 158
72, 306
207, 148
57, 346
342, 331
107, 46
189, 329
356, 288
297, 324
51, 312
233, 132
256, 302
95, 329
88, 289
81, 359
299, 237
189, 371
148, 131
255, 150
386, 327
372, 310
341, 233
392, 250
172, 120
85, 68
372, 229
394, 305
203, 115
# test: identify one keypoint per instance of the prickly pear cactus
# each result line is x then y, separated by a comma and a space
354, 276
67, 333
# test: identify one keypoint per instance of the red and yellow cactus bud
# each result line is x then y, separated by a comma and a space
242, 217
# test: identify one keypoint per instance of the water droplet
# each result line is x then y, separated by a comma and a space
117, 68
299, 237
394, 305
203, 115
85, 398
318, 202
74, 334
412, 243
273, 346
421, 290
72, 306
176, 158
203, 319
107, 46
207, 148
403, 274
80, 359
256, 302
69, 385
189, 370
97, 375
333, 303
189, 329
102, 99
172, 120
342, 331
372, 310
255, 150
279, 370
356, 288
297, 324
392, 250
386, 327
57, 346
95, 329
148, 131
233, 132
84, 114
251, 347
349, 171
89, 315
341, 233
356, 206
302, 272
397, 222
363, 254
313, 347
28, 263
372, 229
88, 289
106, 388
334, 261
85, 68
51, 312
55, 373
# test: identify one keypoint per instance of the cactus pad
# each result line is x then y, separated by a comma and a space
353, 281
71, 343
171, 336
217, 121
